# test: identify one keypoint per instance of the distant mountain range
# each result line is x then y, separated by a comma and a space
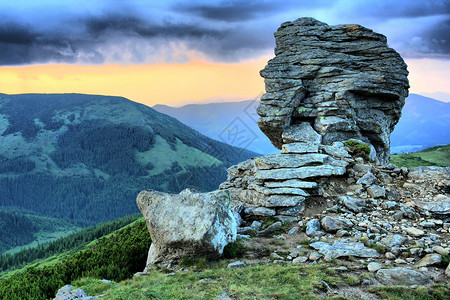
424, 123
84, 158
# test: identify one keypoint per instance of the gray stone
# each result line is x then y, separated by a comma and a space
416, 251
313, 256
283, 201
426, 224
354, 204
340, 249
440, 250
270, 230
367, 179
336, 150
300, 260
292, 211
389, 205
188, 224
66, 293
398, 216
302, 132
292, 183
237, 264
286, 219
278, 161
281, 191
430, 260
393, 195
330, 224
389, 255
256, 225
374, 266
393, 240
384, 178
260, 211
440, 209
415, 232
293, 230
376, 191
276, 256
401, 276
400, 261
447, 271
300, 148
313, 228
408, 212
300, 173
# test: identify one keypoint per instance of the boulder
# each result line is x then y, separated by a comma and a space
337, 82
187, 225
356, 205
429, 260
339, 249
330, 224
313, 228
401, 276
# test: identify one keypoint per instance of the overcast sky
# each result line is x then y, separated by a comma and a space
138, 31
220, 44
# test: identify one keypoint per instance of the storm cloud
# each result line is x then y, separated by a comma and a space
225, 31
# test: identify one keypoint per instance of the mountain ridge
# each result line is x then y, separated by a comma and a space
84, 158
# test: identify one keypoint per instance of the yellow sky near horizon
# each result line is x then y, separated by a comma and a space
178, 84
148, 84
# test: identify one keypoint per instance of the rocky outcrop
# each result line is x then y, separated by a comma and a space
278, 185
187, 225
332, 83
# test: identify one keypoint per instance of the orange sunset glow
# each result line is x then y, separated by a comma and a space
147, 84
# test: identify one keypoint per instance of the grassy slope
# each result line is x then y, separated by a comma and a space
434, 156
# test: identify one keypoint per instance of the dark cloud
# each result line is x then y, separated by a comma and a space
230, 11
236, 11
434, 41
401, 8
226, 31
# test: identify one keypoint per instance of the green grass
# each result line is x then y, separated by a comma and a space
439, 291
277, 281
358, 149
253, 282
434, 156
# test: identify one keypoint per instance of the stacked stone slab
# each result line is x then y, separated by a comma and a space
342, 80
326, 85
278, 184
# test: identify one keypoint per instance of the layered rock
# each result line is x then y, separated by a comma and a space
279, 184
342, 80
187, 225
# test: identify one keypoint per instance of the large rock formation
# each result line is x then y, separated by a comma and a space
326, 85
187, 225
342, 80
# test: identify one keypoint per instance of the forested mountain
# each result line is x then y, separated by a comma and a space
84, 158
